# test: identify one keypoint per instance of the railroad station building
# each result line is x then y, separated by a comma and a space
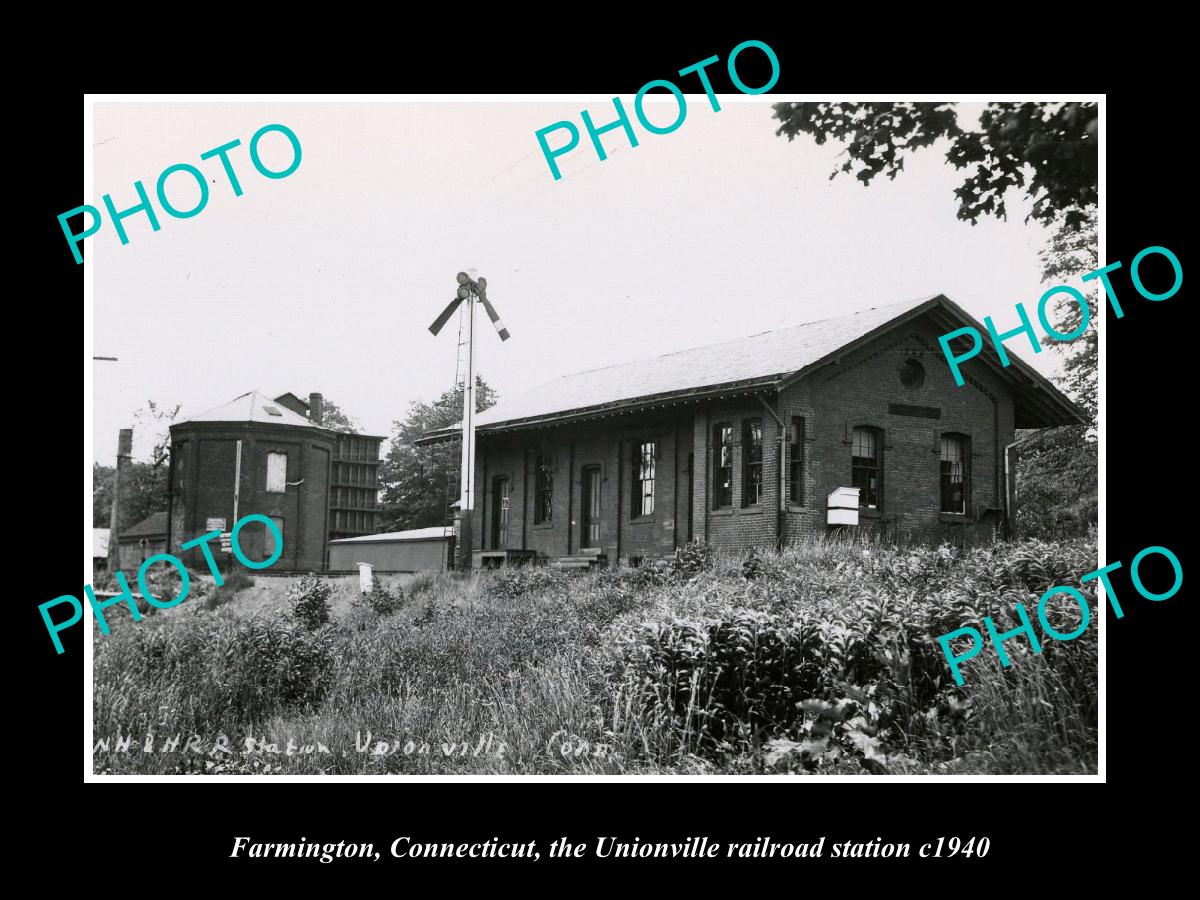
759, 441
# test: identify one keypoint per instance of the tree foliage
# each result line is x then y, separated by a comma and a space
1057, 468
1070, 254
1047, 150
143, 491
143, 480
335, 418
420, 482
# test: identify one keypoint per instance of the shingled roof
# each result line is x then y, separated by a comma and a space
761, 360
154, 525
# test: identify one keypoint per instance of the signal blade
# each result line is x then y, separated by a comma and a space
445, 316
495, 317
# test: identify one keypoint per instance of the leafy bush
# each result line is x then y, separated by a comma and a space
382, 601
309, 599
511, 582
279, 664
835, 658
692, 559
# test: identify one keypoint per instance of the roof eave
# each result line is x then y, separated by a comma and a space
617, 407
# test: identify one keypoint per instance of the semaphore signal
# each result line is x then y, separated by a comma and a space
469, 290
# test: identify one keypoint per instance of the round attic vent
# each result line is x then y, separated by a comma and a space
912, 374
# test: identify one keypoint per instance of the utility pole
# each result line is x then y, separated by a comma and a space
124, 452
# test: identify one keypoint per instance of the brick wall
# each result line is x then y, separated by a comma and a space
741, 524
610, 446
203, 470
863, 388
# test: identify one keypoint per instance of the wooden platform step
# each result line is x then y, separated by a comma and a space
583, 562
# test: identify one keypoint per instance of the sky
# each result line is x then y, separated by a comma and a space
328, 279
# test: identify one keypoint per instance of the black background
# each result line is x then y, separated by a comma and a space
165, 828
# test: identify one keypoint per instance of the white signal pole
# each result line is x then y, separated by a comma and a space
469, 290
467, 500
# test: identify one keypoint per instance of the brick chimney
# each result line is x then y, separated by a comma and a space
316, 408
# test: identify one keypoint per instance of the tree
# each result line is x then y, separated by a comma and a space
1072, 253
335, 418
419, 483
1048, 150
143, 492
143, 481
1057, 468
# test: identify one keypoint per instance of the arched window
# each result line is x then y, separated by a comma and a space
866, 466
954, 459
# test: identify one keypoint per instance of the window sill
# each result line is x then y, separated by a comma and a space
792, 508
753, 510
723, 511
953, 517
643, 520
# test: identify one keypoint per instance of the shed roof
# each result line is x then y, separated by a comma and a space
154, 525
416, 534
253, 407
761, 360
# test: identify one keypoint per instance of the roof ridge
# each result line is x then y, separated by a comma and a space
219, 405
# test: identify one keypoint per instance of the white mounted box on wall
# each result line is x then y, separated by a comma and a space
842, 506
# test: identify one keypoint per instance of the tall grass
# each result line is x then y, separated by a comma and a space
819, 659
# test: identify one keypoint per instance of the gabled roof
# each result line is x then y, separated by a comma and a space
252, 407
416, 534
766, 360
154, 525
